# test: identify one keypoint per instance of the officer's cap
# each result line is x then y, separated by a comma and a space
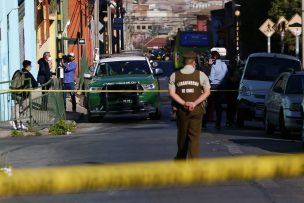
190, 55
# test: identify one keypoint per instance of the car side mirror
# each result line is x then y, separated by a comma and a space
158, 71
278, 90
87, 76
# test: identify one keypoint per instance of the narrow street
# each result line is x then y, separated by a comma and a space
135, 139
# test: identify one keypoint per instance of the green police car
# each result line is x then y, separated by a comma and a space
120, 78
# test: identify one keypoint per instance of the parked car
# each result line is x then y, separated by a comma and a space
123, 73
283, 104
260, 71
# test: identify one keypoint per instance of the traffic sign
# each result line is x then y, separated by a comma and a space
281, 25
267, 28
295, 25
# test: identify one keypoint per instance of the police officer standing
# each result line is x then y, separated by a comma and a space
189, 88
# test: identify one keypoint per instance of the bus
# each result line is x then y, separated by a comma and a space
186, 41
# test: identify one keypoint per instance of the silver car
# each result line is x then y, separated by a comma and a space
283, 104
260, 71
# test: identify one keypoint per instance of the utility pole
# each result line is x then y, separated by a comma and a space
237, 29
96, 18
118, 16
59, 44
110, 33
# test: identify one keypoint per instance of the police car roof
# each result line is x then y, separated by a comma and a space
123, 58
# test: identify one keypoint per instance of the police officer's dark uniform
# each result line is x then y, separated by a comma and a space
189, 85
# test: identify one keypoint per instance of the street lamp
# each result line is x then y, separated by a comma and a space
106, 33
237, 13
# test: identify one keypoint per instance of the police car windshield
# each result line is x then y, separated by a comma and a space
136, 67
269, 68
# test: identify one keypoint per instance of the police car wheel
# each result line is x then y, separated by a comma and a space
155, 116
94, 118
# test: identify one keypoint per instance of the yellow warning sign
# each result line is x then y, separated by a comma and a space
267, 28
295, 25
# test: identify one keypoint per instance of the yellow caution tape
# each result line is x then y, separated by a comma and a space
77, 179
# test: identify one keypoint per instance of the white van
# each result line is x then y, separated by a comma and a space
260, 71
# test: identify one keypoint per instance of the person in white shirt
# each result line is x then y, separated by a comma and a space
217, 79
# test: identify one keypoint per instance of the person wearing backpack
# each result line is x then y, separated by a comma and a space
22, 79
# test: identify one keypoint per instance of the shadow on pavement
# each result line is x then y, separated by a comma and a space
272, 145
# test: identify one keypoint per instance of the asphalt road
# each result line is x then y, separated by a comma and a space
135, 139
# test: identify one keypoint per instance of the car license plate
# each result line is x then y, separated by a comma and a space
127, 101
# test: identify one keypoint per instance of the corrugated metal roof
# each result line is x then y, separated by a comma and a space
156, 42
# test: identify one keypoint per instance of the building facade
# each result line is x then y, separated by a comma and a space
80, 17
17, 41
150, 18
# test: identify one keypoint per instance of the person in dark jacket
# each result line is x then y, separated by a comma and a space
231, 96
44, 75
27, 67
209, 61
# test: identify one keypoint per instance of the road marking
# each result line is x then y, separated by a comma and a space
156, 126
267, 184
234, 149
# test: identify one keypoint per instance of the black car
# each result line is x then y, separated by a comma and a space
158, 54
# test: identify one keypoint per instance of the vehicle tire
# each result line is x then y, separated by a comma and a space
239, 120
269, 128
156, 115
284, 132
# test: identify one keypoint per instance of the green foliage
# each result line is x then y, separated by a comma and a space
33, 132
62, 128
287, 9
17, 133
29, 132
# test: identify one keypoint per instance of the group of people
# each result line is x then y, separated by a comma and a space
224, 81
43, 78
195, 92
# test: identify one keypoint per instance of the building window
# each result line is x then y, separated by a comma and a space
43, 21
138, 27
143, 27
150, 27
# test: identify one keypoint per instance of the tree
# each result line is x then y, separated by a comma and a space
287, 9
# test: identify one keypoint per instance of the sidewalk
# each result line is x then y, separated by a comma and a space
80, 110
6, 128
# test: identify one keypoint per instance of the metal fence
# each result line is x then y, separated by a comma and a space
36, 108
